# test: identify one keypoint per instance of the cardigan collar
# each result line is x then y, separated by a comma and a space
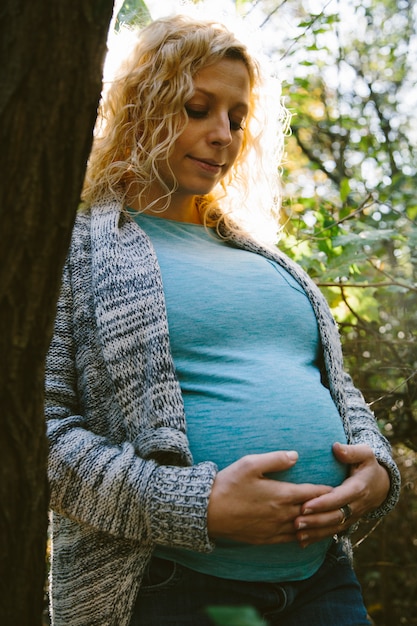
133, 332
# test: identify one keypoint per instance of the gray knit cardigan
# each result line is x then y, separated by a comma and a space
120, 469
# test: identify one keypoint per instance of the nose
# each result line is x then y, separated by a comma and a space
220, 133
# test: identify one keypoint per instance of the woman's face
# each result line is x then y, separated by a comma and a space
212, 138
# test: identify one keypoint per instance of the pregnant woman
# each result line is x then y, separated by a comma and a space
206, 446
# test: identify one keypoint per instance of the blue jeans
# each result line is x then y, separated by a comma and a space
173, 595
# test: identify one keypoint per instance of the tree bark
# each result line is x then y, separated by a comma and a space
51, 56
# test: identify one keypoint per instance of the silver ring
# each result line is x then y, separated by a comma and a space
346, 512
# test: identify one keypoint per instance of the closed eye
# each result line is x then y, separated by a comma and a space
200, 114
236, 125
196, 114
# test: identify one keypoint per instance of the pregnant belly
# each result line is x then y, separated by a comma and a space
223, 432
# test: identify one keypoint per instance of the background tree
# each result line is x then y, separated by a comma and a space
50, 73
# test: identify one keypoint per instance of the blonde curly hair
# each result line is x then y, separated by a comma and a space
143, 113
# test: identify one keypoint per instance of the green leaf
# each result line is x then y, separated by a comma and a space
412, 212
344, 189
365, 237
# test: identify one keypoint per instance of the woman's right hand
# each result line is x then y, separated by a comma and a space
247, 506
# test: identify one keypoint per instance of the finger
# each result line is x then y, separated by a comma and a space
304, 493
306, 538
270, 462
336, 520
352, 454
322, 527
346, 493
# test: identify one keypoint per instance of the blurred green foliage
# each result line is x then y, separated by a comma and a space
133, 13
234, 616
351, 208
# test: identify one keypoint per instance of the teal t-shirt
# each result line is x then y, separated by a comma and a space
245, 345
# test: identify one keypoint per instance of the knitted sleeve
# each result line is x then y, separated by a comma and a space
365, 430
105, 485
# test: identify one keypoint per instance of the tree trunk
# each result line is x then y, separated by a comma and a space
51, 55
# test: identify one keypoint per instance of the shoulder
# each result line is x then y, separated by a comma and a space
90, 220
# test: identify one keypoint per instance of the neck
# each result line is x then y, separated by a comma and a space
179, 209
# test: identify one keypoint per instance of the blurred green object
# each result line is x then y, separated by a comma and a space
234, 616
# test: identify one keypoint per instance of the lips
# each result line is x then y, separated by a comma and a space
207, 164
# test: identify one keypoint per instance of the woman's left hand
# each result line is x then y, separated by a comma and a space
364, 490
